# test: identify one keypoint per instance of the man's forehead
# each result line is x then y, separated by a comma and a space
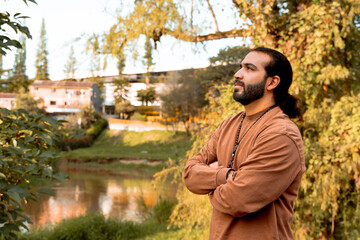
257, 59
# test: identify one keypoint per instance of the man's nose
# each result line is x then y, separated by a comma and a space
238, 74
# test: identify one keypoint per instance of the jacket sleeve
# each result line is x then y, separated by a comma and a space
267, 172
199, 177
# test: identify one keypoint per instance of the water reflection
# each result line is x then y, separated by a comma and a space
84, 193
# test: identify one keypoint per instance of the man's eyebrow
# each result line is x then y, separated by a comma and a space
248, 65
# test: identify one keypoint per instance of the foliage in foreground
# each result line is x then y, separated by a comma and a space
13, 22
321, 40
96, 226
93, 227
27, 157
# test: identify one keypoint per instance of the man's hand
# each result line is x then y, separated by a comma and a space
214, 165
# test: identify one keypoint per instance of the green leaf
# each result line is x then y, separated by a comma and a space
45, 191
22, 214
27, 132
14, 196
12, 227
60, 177
2, 176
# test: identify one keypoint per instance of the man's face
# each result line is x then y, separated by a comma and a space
250, 80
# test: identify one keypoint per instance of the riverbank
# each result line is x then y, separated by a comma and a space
128, 153
123, 154
96, 226
151, 145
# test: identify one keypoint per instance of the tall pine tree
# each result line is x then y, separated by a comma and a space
70, 66
1, 66
41, 63
18, 78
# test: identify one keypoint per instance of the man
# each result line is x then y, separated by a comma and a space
252, 165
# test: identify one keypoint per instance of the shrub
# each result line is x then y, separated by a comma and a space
143, 109
27, 156
74, 138
94, 227
97, 127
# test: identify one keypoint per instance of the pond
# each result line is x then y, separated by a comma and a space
113, 196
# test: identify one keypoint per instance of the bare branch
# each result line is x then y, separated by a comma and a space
213, 36
191, 17
213, 14
236, 3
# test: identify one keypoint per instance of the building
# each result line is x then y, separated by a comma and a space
66, 97
109, 97
138, 81
8, 100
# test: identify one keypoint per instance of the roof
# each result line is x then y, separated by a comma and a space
61, 84
8, 95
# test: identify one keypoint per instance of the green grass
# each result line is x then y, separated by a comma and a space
154, 144
115, 168
96, 227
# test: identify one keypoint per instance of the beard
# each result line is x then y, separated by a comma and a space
250, 93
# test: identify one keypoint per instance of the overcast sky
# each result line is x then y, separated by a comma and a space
69, 23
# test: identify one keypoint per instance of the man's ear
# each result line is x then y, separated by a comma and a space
272, 82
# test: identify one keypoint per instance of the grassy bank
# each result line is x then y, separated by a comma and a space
96, 226
127, 153
155, 144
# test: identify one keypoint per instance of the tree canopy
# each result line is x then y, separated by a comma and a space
14, 22
41, 64
321, 40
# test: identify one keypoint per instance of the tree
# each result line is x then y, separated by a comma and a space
1, 66
121, 89
27, 152
125, 108
93, 46
95, 65
27, 157
15, 24
25, 101
70, 66
183, 98
147, 95
222, 67
321, 39
148, 59
41, 63
18, 79
121, 63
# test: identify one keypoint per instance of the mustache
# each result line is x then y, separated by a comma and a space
237, 81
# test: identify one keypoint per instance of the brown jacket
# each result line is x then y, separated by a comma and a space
269, 162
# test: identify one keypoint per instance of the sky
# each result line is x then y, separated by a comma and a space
70, 22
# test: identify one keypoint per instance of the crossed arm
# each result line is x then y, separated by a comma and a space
265, 174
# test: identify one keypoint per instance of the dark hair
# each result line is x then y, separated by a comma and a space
281, 67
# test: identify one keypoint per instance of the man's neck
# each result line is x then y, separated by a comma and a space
258, 106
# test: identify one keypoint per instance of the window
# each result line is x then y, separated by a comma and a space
69, 91
53, 90
35, 89
52, 102
67, 103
